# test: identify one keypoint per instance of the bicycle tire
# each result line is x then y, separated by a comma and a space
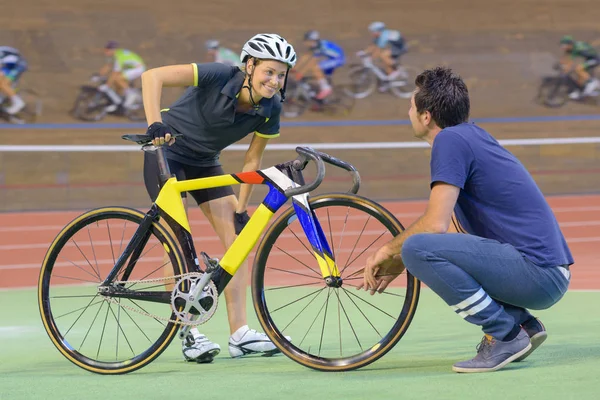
364, 82
407, 80
307, 358
339, 103
296, 103
55, 329
553, 92
90, 105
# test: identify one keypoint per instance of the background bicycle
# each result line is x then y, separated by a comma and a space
556, 90
367, 77
300, 97
31, 111
91, 105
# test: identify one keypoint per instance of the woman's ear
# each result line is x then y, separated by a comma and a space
250, 66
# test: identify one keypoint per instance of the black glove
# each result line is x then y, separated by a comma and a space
240, 221
158, 130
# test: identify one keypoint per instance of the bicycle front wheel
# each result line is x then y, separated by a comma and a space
98, 333
331, 329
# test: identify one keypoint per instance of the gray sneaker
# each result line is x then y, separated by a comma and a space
494, 354
537, 334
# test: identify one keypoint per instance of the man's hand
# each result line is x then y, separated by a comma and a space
380, 270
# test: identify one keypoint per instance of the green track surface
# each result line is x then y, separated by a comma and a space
566, 366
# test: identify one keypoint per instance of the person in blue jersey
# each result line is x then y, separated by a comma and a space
510, 256
321, 61
388, 45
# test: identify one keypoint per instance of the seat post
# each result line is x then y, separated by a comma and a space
163, 166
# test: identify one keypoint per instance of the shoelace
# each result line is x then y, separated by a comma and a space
485, 345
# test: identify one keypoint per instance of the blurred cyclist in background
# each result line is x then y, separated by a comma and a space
582, 58
216, 53
12, 66
388, 45
323, 59
121, 69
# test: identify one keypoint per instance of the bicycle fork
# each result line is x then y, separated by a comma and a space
316, 237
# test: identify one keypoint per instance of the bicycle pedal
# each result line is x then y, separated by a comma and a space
211, 263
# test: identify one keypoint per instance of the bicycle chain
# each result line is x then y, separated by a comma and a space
154, 280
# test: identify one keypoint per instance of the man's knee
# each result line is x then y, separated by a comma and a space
414, 249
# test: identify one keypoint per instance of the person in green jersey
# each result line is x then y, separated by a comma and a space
582, 58
217, 53
121, 69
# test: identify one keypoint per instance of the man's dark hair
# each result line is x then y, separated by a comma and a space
444, 95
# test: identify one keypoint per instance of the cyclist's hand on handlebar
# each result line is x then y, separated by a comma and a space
160, 133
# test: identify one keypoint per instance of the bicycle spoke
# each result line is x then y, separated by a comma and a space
93, 250
311, 325
301, 242
292, 286
120, 328
135, 323
384, 292
74, 279
80, 315
362, 252
357, 240
286, 253
90, 328
84, 270
86, 259
144, 310
349, 323
362, 313
305, 307
122, 238
295, 273
112, 251
344, 227
331, 235
324, 319
103, 329
79, 309
371, 304
73, 296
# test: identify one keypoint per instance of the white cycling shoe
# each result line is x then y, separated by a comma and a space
197, 348
247, 341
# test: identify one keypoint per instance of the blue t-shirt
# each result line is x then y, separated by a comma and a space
498, 198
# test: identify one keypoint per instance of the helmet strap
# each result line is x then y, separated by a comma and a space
249, 86
282, 90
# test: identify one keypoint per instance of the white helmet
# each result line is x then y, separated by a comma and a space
376, 26
212, 44
269, 46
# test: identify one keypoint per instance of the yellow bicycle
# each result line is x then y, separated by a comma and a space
116, 285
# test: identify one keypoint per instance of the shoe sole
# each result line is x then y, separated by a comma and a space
496, 367
536, 341
205, 358
269, 353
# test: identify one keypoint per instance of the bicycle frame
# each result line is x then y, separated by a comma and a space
284, 181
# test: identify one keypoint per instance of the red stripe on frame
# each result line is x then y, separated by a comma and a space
250, 177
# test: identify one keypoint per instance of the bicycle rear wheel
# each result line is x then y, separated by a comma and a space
331, 329
98, 333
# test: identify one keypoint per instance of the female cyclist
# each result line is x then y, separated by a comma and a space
222, 105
